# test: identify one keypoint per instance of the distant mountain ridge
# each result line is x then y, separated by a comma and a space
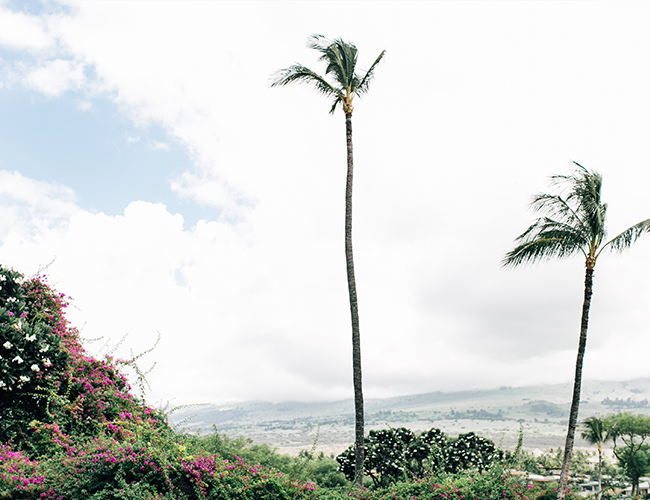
495, 413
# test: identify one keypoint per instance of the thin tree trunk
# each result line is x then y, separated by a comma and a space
354, 311
575, 402
600, 471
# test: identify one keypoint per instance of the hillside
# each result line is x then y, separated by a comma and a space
496, 414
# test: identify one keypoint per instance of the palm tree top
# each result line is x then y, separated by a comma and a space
594, 430
573, 221
341, 59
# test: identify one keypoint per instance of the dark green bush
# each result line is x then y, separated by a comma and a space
398, 454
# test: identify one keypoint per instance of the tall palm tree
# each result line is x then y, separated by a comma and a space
573, 224
594, 432
341, 59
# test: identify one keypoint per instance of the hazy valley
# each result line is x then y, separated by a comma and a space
496, 414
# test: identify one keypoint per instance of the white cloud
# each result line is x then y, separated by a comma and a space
210, 190
22, 31
84, 105
55, 77
160, 146
32, 207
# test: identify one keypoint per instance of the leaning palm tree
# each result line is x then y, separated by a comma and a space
341, 59
594, 432
572, 224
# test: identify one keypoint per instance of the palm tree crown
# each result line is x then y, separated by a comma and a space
341, 59
572, 224
594, 431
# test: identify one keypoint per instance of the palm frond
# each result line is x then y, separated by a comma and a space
627, 237
367, 78
544, 240
560, 212
540, 250
594, 430
340, 56
547, 225
555, 207
342, 62
585, 194
338, 101
590, 202
318, 42
300, 74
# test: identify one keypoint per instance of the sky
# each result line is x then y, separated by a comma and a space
149, 169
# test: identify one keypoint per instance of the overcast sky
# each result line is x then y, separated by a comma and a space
143, 151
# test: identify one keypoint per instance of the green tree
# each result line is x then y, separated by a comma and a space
572, 224
633, 431
341, 59
594, 432
470, 451
396, 455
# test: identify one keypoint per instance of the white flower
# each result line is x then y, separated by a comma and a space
2, 384
12, 299
35, 368
18, 359
24, 379
47, 362
7, 345
30, 338
44, 349
3, 277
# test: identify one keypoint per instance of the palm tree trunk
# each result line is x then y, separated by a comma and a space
575, 402
354, 311
600, 471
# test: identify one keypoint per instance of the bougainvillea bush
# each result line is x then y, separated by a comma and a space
71, 429
53, 393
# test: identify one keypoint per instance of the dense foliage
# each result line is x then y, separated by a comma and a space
32, 357
55, 395
399, 454
307, 466
630, 434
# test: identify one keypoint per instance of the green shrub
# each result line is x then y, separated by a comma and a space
398, 454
